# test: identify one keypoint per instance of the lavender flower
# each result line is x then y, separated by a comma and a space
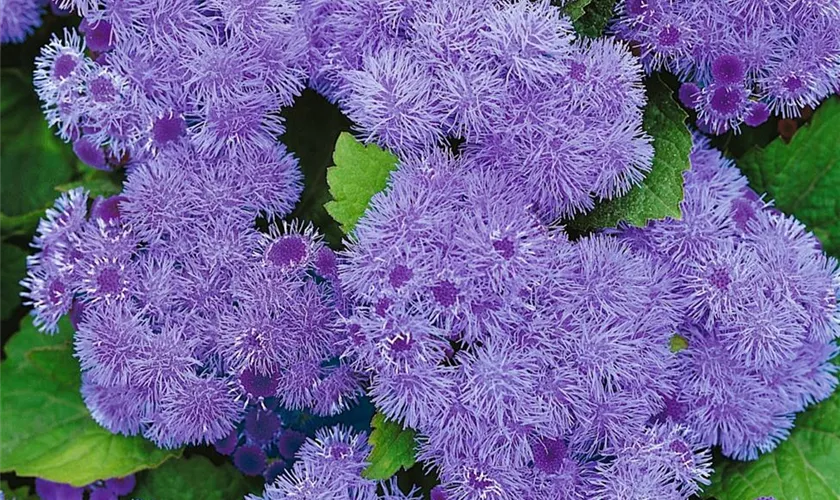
751, 331
175, 290
499, 336
20, 19
108, 489
509, 78
742, 60
329, 467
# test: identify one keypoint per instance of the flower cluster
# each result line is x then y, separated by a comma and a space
109, 489
532, 367
213, 72
19, 18
185, 311
742, 60
761, 312
559, 116
329, 467
535, 367
177, 321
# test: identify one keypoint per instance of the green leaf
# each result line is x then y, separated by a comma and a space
18, 225
393, 448
21, 493
46, 428
575, 9
803, 466
96, 187
803, 177
194, 478
32, 159
661, 192
590, 17
360, 172
13, 269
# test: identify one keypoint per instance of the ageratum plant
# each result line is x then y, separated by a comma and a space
531, 361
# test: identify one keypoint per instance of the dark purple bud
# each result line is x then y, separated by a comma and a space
227, 445
102, 494
261, 426
250, 460
121, 485
274, 470
728, 70
689, 94
90, 154
107, 209
97, 35
757, 113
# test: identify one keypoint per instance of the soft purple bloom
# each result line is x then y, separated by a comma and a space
20, 19
121, 485
781, 56
761, 311
508, 78
198, 410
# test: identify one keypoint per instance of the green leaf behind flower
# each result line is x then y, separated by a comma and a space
46, 427
803, 467
393, 448
13, 265
32, 159
590, 17
194, 478
360, 172
661, 192
803, 177
20, 493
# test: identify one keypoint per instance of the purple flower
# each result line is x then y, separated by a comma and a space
198, 410
122, 409
738, 52
250, 460
57, 491
760, 311
392, 101
527, 39
20, 19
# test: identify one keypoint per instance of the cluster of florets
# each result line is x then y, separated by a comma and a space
184, 310
558, 115
531, 366
216, 72
19, 18
109, 489
329, 467
741, 60
183, 313
761, 312
536, 367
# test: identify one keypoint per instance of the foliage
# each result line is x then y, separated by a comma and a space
393, 448
661, 192
803, 466
194, 478
360, 172
46, 427
590, 17
33, 160
13, 266
802, 176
